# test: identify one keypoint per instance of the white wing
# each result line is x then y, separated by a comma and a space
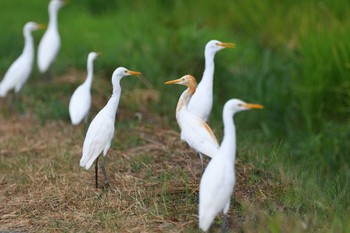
18, 72
48, 49
99, 136
79, 104
197, 133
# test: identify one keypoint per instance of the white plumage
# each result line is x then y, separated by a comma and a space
218, 179
50, 43
101, 130
202, 101
21, 68
194, 130
197, 134
80, 102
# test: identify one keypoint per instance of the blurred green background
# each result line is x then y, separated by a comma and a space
291, 56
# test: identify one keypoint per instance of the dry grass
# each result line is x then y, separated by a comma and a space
154, 179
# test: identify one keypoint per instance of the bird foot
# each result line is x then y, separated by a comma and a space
107, 186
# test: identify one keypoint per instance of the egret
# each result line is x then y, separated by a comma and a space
21, 68
194, 130
101, 130
218, 179
50, 43
202, 101
80, 102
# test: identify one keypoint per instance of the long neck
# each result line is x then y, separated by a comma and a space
53, 18
229, 140
113, 102
208, 74
28, 43
90, 72
185, 98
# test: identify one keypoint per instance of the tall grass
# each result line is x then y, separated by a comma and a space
291, 56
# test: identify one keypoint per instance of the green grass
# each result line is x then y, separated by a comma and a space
291, 56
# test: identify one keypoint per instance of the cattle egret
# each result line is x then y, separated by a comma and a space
50, 43
194, 130
202, 101
20, 70
218, 179
100, 132
80, 101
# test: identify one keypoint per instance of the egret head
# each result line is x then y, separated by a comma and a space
32, 26
93, 55
121, 72
214, 45
235, 105
56, 4
186, 80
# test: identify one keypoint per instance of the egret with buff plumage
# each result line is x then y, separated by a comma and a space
194, 130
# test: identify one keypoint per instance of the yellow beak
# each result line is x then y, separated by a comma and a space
256, 106
133, 72
227, 45
41, 26
175, 81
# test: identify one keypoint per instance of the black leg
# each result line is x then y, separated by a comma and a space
48, 75
86, 119
18, 103
224, 223
211, 229
11, 101
104, 172
96, 172
201, 157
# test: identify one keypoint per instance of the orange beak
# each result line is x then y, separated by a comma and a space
41, 26
227, 45
255, 106
133, 72
175, 81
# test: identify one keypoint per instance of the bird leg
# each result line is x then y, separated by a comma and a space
96, 172
224, 224
17, 100
11, 102
48, 75
104, 172
201, 157
86, 119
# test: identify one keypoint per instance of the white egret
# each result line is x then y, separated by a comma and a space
21, 68
80, 102
101, 130
50, 42
218, 179
202, 101
194, 130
